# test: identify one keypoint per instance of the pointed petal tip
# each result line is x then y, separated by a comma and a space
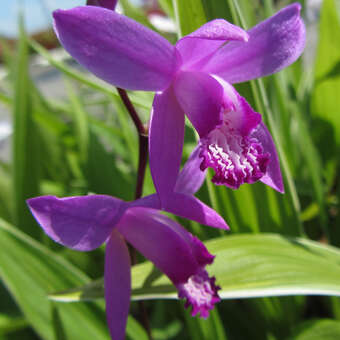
296, 6
274, 44
59, 14
276, 186
280, 188
79, 222
35, 203
192, 208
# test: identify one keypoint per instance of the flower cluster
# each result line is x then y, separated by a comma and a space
192, 78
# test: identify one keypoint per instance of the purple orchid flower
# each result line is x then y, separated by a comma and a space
109, 4
192, 77
85, 222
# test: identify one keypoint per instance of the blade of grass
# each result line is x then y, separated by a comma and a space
26, 166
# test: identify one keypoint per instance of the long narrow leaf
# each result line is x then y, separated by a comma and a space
245, 266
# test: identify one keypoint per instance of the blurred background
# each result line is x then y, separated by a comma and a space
64, 132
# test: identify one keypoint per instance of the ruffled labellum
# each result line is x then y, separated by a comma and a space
230, 150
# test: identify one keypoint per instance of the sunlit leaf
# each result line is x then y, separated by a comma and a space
245, 266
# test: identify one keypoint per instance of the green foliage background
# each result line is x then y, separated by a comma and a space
279, 267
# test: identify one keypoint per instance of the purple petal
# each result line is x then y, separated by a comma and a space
117, 284
176, 252
235, 155
150, 201
116, 48
273, 44
190, 207
219, 29
109, 4
200, 97
200, 44
273, 175
191, 177
183, 205
200, 292
81, 223
165, 142
149, 232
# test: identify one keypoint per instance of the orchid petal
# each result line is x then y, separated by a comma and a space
273, 44
229, 149
200, 97
203, 42
273, 176
191, 177
165, 142
186, 206
109, 4
149, 232
181, 256
117, 284
219, 29
115, 48
192, 208
150, 201
81, 223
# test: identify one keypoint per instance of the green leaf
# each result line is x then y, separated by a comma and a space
6, 194
325, 98
80, 121
167, 7
9, 324
5, 99
134, 330
245, 266
189, 15
103, 175
26, 168
135, 13
30, 271
69, 71
211, 328
317, 330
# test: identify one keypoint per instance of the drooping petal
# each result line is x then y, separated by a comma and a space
201, 43
273, 44
116, 48
165, 142
117, 284
148, 232
200, 97
273, 175
109, 4
181, 256
191, 177
81, 223
192, 208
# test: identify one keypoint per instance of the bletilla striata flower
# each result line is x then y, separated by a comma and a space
193, 77
85, 222
109, 4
